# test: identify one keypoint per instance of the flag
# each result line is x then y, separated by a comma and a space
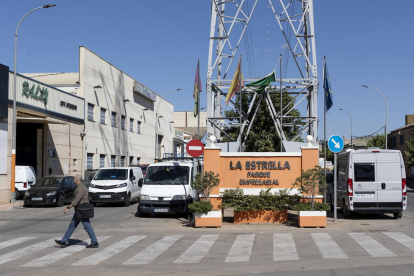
327, 87
236, 84
197, 89
260, 85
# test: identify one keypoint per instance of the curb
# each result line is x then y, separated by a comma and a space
8, 206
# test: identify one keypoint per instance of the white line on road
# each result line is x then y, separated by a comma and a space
110, 251
25, 251
153, 251
401, 238
241, 249
15, 241
374, 248
328, 248
284, 247
63, 253
196, 252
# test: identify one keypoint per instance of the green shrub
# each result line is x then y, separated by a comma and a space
311, 182
201, 207
308, 207
266, 200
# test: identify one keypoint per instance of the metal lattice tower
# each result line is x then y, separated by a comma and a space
225, 38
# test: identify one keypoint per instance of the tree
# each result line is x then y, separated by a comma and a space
377, 141
409, 153
263, 136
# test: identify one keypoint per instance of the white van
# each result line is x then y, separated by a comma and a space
24, 179
167, 188
370, 181
117, 184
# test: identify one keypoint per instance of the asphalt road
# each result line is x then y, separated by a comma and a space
166, 245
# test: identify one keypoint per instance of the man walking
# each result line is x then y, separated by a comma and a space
81, 196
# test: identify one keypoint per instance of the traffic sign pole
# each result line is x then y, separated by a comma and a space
335, 187
335, 144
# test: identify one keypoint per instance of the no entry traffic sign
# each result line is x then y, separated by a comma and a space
195, 148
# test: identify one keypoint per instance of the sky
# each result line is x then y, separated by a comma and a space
158, 43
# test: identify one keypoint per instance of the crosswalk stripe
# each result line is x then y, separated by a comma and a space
110, 251
59, 255
25, 251
196, 252
241, 249
328, 248
153, 251
284, 247
374, 248
401, 238
15, 241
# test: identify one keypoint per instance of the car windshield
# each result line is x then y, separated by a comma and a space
167, 175
111, 174
49, 182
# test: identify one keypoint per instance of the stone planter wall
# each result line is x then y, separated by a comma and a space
211, 219
312, 219
264, 216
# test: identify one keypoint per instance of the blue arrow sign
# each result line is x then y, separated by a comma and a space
336, 143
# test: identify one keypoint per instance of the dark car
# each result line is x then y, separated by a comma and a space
143, 167
50, 190
89, 175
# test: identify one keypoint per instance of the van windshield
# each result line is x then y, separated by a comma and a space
167, 175
111, 174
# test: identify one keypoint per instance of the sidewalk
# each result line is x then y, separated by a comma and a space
9, 206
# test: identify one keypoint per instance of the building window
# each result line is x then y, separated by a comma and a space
90, 111
131, 160
113, 119
401, 140
103, 115
138, 127
75, 165
131, 125
113, 160
101, 160
89, 165
394, 141
123, 122
138, 160
122, 161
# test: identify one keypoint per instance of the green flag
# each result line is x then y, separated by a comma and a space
260, 85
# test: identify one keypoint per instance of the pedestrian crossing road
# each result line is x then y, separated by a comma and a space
143, 250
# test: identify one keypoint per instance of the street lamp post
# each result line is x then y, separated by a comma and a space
13, 164
156, 122
386, 114
352, 144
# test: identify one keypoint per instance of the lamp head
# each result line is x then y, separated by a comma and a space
49, 6
340, 109
82, 134
97, 86
366, 86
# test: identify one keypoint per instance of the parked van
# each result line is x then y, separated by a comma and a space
167, 188
24, 179
117, 184
371, 181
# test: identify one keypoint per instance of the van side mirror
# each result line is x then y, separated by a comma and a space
140, 182
133, 177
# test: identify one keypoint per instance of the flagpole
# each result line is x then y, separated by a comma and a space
324, 124
198, 105
240, 111
281, 104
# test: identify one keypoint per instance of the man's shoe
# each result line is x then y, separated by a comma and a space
61, 243
93, 245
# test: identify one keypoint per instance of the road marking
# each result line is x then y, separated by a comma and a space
196, 252
63, 253
374, 248
241, 249
284, 247
26, 251
328, 248
153, 251
401, 238
110, 251
15, 241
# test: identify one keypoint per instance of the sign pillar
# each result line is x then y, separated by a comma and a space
335, 144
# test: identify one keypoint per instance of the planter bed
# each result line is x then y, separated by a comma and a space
211, 219
312, 219
264, 216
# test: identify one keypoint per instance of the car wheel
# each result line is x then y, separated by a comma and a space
345, 212
127, 201
141, 214
331, 203
61, 200
16, 194
398, 214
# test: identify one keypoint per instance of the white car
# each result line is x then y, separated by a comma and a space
24, 179
116, 185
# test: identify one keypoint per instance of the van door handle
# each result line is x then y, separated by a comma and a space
383, 185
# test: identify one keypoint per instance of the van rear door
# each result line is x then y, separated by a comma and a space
389, 173
364, 180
